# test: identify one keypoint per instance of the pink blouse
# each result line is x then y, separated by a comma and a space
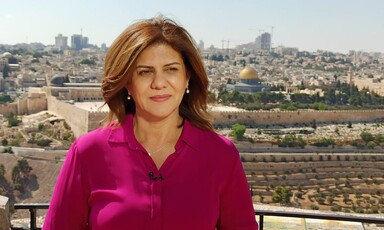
109, 181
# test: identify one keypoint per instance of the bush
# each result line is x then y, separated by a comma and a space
323, 142
4, 142
66, 126
43, 142
12, 120
299, 195
371, 145
366, 136
359, 210
238, 131
291, 140
320, 200
336, 208
314, 207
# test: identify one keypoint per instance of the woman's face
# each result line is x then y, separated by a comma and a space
158, 82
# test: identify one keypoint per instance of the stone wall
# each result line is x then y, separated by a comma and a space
295, 117
96, 119
75, 117
34, 103
8, 108
22, 106
31, 105
4, 213
37, 103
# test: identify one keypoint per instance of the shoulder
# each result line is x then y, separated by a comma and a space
93, 140
218, 139
215, 143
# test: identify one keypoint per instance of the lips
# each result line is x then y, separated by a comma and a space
160, 98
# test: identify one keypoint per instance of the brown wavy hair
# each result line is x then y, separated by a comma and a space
121, 58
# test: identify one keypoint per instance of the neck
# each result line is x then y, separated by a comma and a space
152, 134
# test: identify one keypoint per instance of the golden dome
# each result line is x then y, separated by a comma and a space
249, 73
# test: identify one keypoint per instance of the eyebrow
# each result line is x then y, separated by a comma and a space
151, 67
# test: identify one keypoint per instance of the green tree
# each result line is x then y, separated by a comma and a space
4, 98
4, 142
20, 174
319, 106
12, 120
40, 126
238, 131
366, 136
88, 62
281, 195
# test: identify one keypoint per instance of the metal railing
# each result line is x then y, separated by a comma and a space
33, 207
320, 216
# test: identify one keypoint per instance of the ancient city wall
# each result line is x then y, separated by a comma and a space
85, 94
76, 117
8, 108
31, 105
96, 119
37, 104
295, 117
22, 106
34, 103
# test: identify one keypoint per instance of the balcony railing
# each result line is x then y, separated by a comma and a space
33, 207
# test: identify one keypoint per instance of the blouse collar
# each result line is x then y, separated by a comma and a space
125, 134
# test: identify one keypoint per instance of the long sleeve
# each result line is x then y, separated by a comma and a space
68, 207
236, 209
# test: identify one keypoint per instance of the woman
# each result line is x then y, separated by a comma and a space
160, 165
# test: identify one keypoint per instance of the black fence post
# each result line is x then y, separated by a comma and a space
32, 213
261, 222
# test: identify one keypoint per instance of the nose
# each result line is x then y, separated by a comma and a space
158, 81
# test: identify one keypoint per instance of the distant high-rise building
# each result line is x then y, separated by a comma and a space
201, 45
85, 42
76, 42
263, 42
61, 42
103, 47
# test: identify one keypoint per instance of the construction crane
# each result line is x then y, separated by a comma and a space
257, 29
222, 44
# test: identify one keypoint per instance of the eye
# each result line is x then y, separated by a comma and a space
144, 72
171, 69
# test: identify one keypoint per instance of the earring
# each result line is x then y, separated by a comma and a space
187, 91
129, 96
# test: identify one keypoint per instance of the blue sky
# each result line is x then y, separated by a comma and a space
335, 25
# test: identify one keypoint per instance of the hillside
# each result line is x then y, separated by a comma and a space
45, 167
348, 182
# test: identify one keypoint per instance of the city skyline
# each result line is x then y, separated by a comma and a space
337, 26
